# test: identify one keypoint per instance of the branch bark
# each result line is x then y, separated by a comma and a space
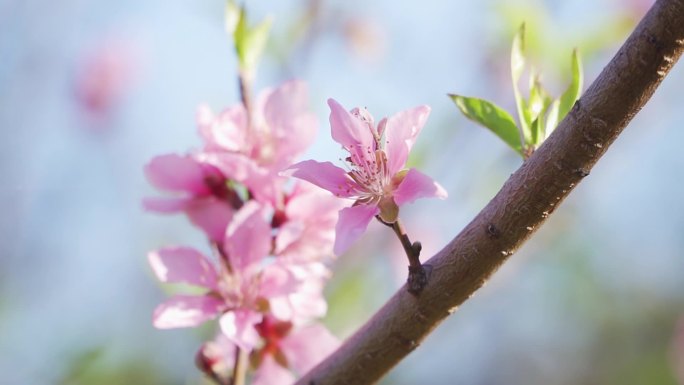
522, 205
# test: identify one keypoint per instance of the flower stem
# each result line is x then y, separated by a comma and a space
239, 367
418, 276
245, 81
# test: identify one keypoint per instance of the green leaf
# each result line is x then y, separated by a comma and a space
572, 93
552, 118
536, 108
517, 68
232, 17
256, 42
249, 41
492, 117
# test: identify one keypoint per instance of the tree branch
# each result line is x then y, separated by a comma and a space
529, 196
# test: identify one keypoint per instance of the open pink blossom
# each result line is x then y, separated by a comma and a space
240, 290
200, 191
377, 180
253, 150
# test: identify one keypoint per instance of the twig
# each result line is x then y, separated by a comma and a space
418, 275
239, 367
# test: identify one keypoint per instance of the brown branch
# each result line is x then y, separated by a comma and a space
523, 204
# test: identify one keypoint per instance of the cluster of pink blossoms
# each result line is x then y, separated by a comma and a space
270, 238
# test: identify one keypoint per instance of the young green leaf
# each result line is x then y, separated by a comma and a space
492, 117
551, 119
249, 41
232, 17
517, 67
572, 93
537, 106
256, 42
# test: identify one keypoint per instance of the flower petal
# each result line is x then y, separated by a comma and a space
277, 280
248, 237
292, 124
309, 230
302, 352
401, 131
417, 185
211, 215
238, 326
176, 173
166, 205
326, 176
347, 129
271, 373
225, 132
351, 225
186, 311
183, 265
263, 184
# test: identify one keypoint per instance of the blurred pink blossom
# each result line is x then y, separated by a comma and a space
377, 181
253, 150
104, 74
240, 290
285, 349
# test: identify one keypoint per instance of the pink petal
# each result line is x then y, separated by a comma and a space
211, 215
417, 185
232, 165
288, 234
352, 133
347, 129
306, 347
238, 326
308, 301
166, 205
186, 311
264, 185
183, 265
309, 231
281, 308
401, 130
351, 225
176, 173
225, 132
276, 280
271, 373
325, 175
293, 126
248, 237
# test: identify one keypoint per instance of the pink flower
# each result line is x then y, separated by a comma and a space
240, 290
200, 192
283, 348
289, 347
377, 180
104, 75
253, 151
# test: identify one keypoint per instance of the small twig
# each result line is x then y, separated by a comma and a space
245, 84
239, 367
418, 276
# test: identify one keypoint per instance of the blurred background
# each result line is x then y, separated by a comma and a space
89, 91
